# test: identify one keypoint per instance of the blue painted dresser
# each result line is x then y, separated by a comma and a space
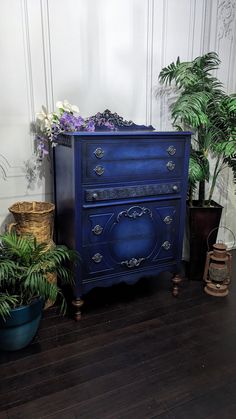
120, 201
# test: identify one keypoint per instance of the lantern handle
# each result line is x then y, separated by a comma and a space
217, 228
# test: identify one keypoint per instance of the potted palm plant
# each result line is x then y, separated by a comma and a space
203, 107
24, 286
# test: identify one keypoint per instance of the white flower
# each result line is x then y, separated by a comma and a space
67, 107
48, 126
44, 119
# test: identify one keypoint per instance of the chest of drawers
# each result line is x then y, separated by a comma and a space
120, 201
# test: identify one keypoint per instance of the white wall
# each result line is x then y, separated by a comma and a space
99, 54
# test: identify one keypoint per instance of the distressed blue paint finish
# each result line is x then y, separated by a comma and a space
120, 201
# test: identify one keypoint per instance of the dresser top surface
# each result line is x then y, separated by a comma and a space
129, 133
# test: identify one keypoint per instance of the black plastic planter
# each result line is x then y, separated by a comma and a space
201, 221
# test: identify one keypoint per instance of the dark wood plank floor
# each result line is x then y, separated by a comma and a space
137, 353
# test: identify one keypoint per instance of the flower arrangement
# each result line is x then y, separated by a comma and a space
67, 119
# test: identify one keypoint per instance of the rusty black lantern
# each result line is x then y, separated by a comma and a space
218, 269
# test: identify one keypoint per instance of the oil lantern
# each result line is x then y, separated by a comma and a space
218, 270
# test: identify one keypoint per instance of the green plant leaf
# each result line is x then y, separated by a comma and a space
25, 266
7, 303
203, 106
191, 109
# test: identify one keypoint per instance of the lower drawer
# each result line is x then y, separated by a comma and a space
124, 237
108, 259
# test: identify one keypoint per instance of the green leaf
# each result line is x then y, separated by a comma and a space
7, 303
191, 109
203, 106
25, 266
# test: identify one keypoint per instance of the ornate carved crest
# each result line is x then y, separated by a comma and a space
134, 212
112, 121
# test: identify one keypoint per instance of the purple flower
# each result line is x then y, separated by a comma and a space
78, 123
41, 146
89, 126
70, 123
67, 120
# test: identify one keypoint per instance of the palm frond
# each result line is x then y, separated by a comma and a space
232, 104
66, 276
191, 109
25, 265
225, 148
203, 106
19, 246
39, 285
198, 168
7, 269
168, 74
7, 302
207, 62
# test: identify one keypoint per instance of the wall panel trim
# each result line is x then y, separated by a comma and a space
149, 61
47, 55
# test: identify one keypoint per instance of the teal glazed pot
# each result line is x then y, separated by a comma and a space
20, 328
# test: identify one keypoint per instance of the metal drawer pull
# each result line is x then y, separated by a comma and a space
175, 188
168, 219
94, 196
99, 153
99, 170
132, 263
97, 230
171, 150
97, 258
166, 245
170, 165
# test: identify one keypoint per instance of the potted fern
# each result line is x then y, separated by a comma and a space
24, 266
203, 107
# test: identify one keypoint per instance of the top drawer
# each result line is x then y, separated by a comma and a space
142, 159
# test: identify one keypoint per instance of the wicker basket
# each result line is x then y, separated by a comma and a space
35, 218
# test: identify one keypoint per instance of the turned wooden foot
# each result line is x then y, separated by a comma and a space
77, 303
176, 281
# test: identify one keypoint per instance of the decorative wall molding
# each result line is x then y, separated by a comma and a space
4, 167
163, 57
226, 16
7, 171
191, 29
28, 62
203, 28
149, 61
47, 55
167, 96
